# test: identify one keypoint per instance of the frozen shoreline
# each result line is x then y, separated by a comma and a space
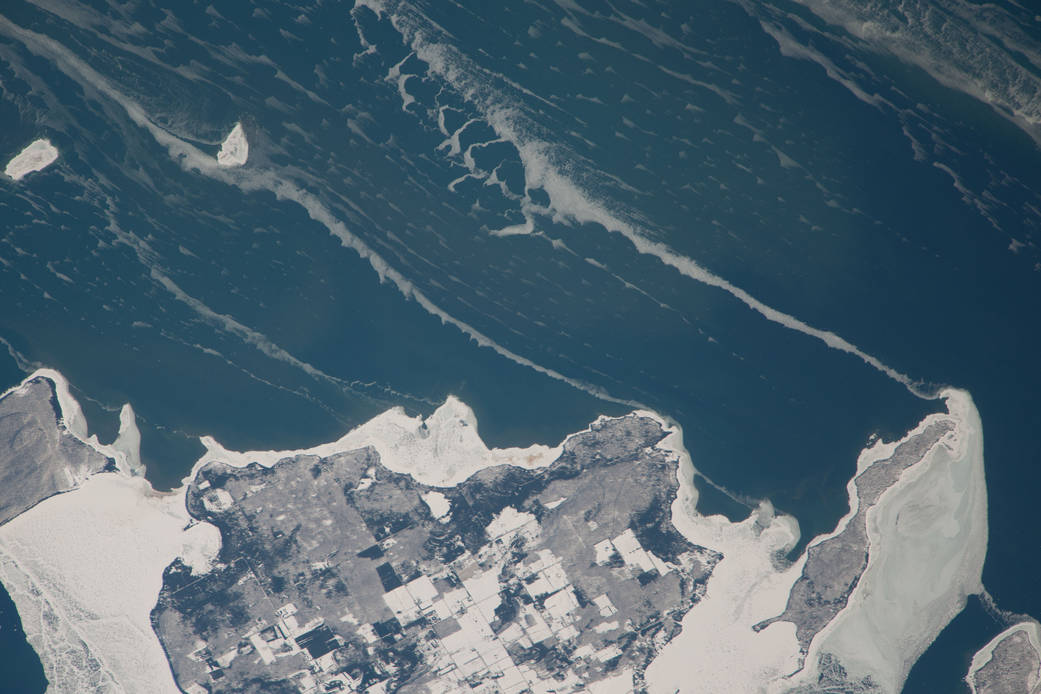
984, 657
71, 604
36, 157
124, 450
440, 451
750, 585
88, 618
928, 540
84, 569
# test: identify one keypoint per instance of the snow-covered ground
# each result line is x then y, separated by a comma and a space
85, 567
125, 450
928, 538
1026, 666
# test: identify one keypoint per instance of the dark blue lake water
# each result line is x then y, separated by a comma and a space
552, 210
22, 669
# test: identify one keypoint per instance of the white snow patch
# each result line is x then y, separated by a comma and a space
200, 547
36, 157
621, 683
508, 520
439, 504
553, 504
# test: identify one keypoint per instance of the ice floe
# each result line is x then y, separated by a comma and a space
36, 157
569, 200
235, 149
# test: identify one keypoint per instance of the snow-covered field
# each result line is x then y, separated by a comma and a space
85, 567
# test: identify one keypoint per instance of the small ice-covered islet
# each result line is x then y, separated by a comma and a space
409, 556
235, 149
36, 157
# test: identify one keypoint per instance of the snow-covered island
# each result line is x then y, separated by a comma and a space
235, 149
1010, 663
36, 157
409, 556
